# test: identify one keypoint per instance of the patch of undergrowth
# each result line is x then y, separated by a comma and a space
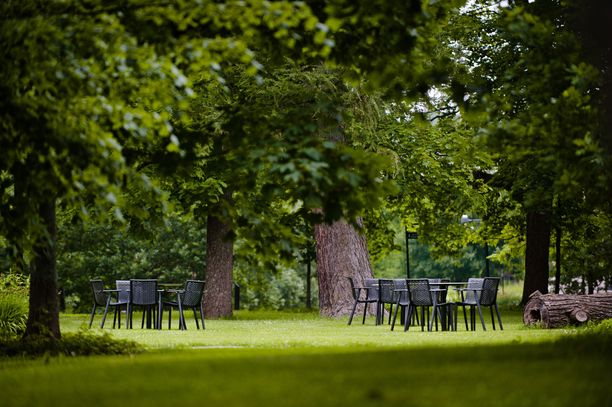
594, 337
82, 343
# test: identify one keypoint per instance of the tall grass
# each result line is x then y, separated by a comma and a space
13, 304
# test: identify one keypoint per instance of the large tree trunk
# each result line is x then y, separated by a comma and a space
341, 252
43, 317
219, 266
559, 310
536, 254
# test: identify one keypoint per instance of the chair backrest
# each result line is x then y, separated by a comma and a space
386, 287
143, 292
353, 289
192, 297
441, 294
372, 285
473, 284
488, 295
123, 290
97, 287
418, 292
400, 284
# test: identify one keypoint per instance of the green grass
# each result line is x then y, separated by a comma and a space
300, 359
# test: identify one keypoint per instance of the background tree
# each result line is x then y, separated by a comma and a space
87, 89
526, 71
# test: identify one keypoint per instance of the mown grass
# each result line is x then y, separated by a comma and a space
300, 359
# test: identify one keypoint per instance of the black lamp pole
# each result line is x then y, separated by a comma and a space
407, 254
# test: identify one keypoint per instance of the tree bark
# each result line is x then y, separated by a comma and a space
219, 265
536, 254
341, 252
43, 317
559, 310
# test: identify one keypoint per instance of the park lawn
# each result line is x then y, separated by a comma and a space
297, 359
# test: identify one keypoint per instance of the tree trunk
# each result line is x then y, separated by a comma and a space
43, 317
559, 310
536, 254
219, 266
341, 252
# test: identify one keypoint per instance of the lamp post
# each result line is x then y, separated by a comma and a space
409, 235
467, 219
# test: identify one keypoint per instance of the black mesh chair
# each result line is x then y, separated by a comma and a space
386, 295
440, 295
189, 297
123, 296
103, 298
421, 295
144, 294
373, 294
362, 295
401, 294
480, 292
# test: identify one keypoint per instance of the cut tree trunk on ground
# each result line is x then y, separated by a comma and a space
559, 310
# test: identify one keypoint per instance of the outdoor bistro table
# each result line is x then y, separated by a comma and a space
164, 287
440, 287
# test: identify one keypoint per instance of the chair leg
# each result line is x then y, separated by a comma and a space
115, 317
484, 328
352, 313
465, 318
492, 318
144, 312
105, 312
202, 316
423, 318
411, 308
472, 318
397, 306
365, 309
181, 317
501, 327
170, 317
195, 316
93, 311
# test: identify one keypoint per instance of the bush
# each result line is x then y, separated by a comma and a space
82, 343
13, 304
13, 315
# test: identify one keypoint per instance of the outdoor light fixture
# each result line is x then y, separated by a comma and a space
467, 219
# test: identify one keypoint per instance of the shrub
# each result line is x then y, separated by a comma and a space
13, 304
13, 315
82, 343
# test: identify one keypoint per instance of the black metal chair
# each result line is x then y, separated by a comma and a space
123, 296
480, 292
386, 295
440, 296
421, 295
373, 294
103, 298
402, 301
362, 295
144, 294
189, 297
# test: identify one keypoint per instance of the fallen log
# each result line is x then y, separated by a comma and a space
559, 310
